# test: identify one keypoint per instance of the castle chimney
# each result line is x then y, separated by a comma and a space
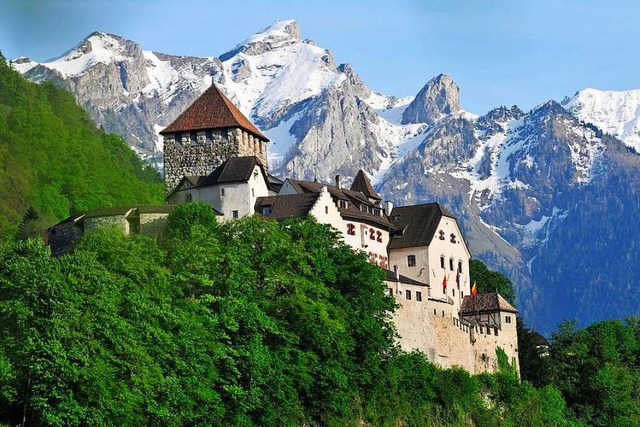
338, 182
388, 207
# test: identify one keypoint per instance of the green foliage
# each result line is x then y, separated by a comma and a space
258, 322
491, 281
597, 371
55, 160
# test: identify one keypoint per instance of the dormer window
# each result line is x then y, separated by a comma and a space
255, 175
395, 218
441, 233
344, 204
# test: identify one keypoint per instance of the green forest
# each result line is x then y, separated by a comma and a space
247, 323
54, 161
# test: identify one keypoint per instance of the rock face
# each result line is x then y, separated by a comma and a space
545, 196
439, 97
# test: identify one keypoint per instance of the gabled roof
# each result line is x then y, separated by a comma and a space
287, 206
485, 303
418, 224
234, 169
212, 110
362, 183
355, 198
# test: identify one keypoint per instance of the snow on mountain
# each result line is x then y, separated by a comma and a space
615, 112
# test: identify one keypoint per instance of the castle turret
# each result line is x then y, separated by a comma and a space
205, 135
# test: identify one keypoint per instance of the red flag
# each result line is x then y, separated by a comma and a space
444, 281
474, 290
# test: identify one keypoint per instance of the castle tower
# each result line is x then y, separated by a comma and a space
206, 134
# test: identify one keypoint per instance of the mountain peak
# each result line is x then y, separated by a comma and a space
280, 33
287, 28
438, 97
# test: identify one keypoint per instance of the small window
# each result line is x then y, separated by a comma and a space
418, 296
326, 209
408, 294
442, 261
481, 330
454, 291
372, 234
222, 191
189, 197
442, 313
390, 292
396, 218
351, 229
201, 137
451, 264
266, 210
379, 236
461, 294
253, 192
459, 266
434, 312
507, 319
488, 330
234, 214
453, 238
441, 234
255, 175
411, 260
495, 330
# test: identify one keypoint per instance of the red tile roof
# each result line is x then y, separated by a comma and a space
212, 110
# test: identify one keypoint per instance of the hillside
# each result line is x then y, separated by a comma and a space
55, 160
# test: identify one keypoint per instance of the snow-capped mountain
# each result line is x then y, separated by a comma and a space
547, 196
615, 112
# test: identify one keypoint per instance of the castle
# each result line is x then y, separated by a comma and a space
214, 154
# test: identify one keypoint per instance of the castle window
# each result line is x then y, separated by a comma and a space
372, 234
481, 330
495, 330
224, 133
459, 266
326, 209
379, 236
201, 137
351, 229
442, 262
390, 292
185, 138
253, 192
451, 264
442, 313
189, 197
343, 204
266, 210
454, 292
453, 238
418, 296
396, 218
255, 175
507, 319
441, 234
234, 214
434, 312
222, 191
488, 330
408, 294
411, 260
193, 139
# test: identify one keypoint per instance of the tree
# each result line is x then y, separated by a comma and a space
491, 281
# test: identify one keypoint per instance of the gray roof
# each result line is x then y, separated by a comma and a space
235, 169
362, 184
287, 206
356, 200
418, 224
485, 303
391, 277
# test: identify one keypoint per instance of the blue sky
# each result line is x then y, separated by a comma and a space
499, 52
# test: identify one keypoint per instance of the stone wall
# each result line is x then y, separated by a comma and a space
63, 237
432, 326
199, 153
